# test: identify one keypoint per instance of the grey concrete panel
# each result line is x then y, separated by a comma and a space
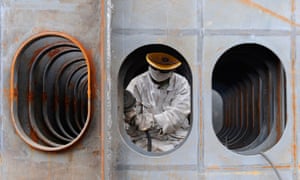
148, 174
79, 19
215, 154
255, 174
122, 46
136, 23
155, 14
245, 15
297, 14
296, 110
1, 97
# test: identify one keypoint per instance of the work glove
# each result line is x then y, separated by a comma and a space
144, 121
130, 116
164, 123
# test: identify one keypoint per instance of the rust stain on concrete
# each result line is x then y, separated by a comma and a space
93, 83
254, 173
7, 93
241, 172
270, 12
294, 101
215, 167
278, 167
34, 137
218, 168
102, 85
95, 153
293, 5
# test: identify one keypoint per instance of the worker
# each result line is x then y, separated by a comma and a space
162, 105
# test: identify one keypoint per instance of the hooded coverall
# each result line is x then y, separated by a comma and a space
168, 105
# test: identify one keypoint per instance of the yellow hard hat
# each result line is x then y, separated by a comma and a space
162, 61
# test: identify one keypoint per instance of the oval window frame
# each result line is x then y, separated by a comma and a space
143, 66
14, 94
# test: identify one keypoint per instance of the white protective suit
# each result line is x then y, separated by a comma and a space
168, 104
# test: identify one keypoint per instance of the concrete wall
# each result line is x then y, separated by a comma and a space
202, 31
20, 20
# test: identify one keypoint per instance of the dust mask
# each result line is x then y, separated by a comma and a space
158, 76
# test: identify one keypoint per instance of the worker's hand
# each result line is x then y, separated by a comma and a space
145, 121
130, 116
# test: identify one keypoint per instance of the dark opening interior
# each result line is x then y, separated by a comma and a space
250, 80
51, 84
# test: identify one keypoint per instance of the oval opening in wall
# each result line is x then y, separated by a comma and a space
249, 99
168, 98
50, 89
